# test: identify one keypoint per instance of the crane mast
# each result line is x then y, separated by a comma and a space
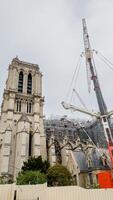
89, 63
101, 103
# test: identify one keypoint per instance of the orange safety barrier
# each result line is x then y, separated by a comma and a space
105, 179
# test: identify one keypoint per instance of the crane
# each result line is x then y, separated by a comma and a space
101, 103
68, 106
103, 115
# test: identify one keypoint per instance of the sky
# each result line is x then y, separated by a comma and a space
49, 33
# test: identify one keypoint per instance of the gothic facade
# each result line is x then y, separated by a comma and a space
68, 145
21, 123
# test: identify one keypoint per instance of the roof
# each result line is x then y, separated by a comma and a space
81, 160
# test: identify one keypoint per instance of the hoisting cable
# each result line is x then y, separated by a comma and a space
93, 143
80, 99
105, 60
75, 75
75, 81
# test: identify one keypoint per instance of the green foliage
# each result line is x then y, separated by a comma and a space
36, 164
33, 171
1, 180
31, 177
95, 186
58, 175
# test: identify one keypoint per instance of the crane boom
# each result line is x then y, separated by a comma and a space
89, 57
68, 106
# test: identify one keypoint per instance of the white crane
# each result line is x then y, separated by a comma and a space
103, 115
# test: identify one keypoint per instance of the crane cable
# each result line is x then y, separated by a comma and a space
75, 82
93, 143
80, 99
104, 59
84, 130
74, 77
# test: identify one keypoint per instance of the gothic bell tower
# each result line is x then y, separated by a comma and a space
21, 125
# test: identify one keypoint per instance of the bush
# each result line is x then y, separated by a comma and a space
58, 175
31, 177
35, 164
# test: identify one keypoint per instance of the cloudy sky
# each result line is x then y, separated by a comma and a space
49, 33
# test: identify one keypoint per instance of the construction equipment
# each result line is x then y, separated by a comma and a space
103, 115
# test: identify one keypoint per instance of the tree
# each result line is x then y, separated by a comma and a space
58, 175
31, 177
35, 164
33, 171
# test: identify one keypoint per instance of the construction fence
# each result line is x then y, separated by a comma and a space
42, 192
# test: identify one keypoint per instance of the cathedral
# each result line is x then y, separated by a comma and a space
24, 133
21, 122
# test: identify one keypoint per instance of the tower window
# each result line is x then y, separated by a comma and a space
30, 144
29, 84
20, 82
29, 107
18, 106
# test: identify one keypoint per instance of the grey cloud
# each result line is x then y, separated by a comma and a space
50, 33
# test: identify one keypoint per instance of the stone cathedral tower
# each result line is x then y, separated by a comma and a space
21, 124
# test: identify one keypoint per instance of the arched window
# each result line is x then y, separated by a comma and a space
29, 84
20, 82
18, 106
29, 107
